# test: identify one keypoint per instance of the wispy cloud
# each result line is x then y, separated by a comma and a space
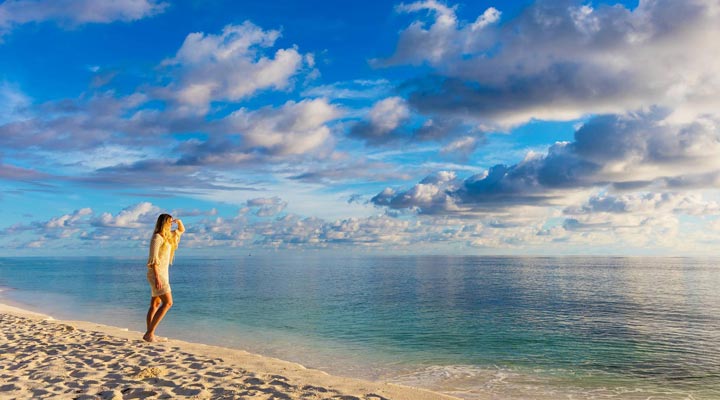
13, 102
15, 173
350, 170
356, 89
75, 12
78, 124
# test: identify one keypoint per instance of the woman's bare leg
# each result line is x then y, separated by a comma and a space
154, 305
158, 316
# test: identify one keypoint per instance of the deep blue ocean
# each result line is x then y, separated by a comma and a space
474, 327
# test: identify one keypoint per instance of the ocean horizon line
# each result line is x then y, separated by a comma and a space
359, 254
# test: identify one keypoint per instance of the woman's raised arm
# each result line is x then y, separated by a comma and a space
180, 226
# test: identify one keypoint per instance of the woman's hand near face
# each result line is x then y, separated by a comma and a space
180, 226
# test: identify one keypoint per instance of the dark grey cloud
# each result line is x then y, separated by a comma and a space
635, 150
373, 135
385, 122
560, 60
433, 129
693, 181
535, 181
392, 122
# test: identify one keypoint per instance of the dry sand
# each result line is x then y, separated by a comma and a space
45, 358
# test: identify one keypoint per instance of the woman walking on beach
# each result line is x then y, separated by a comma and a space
162, 252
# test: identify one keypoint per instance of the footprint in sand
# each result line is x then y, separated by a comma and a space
198, 392
217, 374
315, 388
254, 381
277, 382
11, 388
111, 395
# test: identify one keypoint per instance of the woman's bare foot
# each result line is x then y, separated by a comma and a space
152, 338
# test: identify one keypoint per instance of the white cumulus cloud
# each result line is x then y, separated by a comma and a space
230, 66
68, 220
137, 216
293, 128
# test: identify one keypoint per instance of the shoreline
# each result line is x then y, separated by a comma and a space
50, 358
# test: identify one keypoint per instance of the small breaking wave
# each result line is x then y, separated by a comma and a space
473, 382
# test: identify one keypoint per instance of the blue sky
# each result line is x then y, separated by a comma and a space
514, 127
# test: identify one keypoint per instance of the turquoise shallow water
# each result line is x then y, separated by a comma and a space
502, 327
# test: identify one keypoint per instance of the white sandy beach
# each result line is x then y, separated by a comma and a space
46, 358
